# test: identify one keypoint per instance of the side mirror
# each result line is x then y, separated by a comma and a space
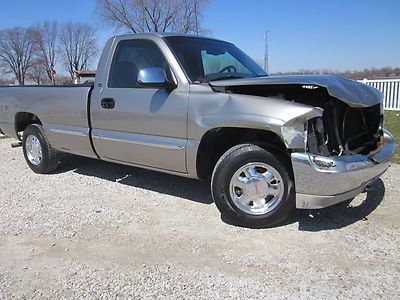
154, 77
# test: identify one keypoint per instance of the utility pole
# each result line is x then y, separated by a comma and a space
195, 15
266, 56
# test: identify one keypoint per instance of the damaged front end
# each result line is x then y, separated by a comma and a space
324, 180
351, 121
346, 130
340, 146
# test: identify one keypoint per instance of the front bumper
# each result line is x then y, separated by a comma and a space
324, 181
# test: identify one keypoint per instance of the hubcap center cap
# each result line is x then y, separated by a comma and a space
256, 189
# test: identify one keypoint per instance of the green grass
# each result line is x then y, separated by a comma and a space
2, 136
392, 123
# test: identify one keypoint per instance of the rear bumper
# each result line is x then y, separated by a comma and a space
324, 181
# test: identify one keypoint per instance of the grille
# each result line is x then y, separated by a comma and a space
362, 129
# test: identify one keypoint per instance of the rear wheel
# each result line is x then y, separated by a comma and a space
252, 187
38, 153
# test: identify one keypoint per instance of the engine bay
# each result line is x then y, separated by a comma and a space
343, 129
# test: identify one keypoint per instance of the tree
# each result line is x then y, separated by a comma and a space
37, 72
46, 39
153, 15
17, 49
78, 46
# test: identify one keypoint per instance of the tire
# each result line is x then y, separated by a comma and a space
246, 193
43, 159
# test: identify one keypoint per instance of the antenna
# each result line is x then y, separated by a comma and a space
266, 56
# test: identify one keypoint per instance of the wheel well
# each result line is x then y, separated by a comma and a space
23, 119
216, 142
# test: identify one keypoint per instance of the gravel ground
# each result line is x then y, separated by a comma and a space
98, 230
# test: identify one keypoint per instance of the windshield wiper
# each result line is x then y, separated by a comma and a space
226, 77
262, 75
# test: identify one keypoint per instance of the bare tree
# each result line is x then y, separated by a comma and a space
153, 15
37, 72
189, 17
17, 49
46, 39
78, 46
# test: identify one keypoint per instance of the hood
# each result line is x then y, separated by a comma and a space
351, 92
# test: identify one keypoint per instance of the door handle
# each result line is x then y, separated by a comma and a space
108, 103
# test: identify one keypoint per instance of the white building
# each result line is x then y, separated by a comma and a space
84, 76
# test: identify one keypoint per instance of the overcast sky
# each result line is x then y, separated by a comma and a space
306, 34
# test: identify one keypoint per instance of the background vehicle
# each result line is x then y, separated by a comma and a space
200, 108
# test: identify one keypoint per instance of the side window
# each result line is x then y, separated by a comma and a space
131, 56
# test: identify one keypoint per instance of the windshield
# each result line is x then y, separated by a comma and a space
205, 59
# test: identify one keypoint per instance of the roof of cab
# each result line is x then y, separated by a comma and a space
162, 35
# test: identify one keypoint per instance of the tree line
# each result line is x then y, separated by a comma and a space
33, 52
369, 73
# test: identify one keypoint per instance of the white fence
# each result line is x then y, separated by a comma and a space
390, 88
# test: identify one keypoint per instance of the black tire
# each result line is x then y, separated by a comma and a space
234, 159
49, 160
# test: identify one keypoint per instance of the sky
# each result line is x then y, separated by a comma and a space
307, 34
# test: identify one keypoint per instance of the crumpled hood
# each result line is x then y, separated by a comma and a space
353, 93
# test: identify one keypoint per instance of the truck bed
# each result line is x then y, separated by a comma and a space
63, 112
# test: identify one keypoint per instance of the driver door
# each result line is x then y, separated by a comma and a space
136, 124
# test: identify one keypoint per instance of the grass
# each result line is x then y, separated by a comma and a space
2, 136
392, 123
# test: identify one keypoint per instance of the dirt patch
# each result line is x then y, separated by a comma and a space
99, 230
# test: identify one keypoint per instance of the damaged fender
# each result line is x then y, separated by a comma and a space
294, 132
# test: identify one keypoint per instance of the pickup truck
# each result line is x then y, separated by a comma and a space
201, 108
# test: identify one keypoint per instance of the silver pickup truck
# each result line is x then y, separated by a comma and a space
201, 108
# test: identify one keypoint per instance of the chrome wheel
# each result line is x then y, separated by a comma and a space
256, 188
33, 150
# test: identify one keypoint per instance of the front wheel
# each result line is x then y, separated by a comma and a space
38, 153
252, 187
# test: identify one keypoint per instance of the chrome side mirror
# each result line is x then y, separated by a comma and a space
154, 77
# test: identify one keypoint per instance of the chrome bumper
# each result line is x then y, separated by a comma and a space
324, 181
